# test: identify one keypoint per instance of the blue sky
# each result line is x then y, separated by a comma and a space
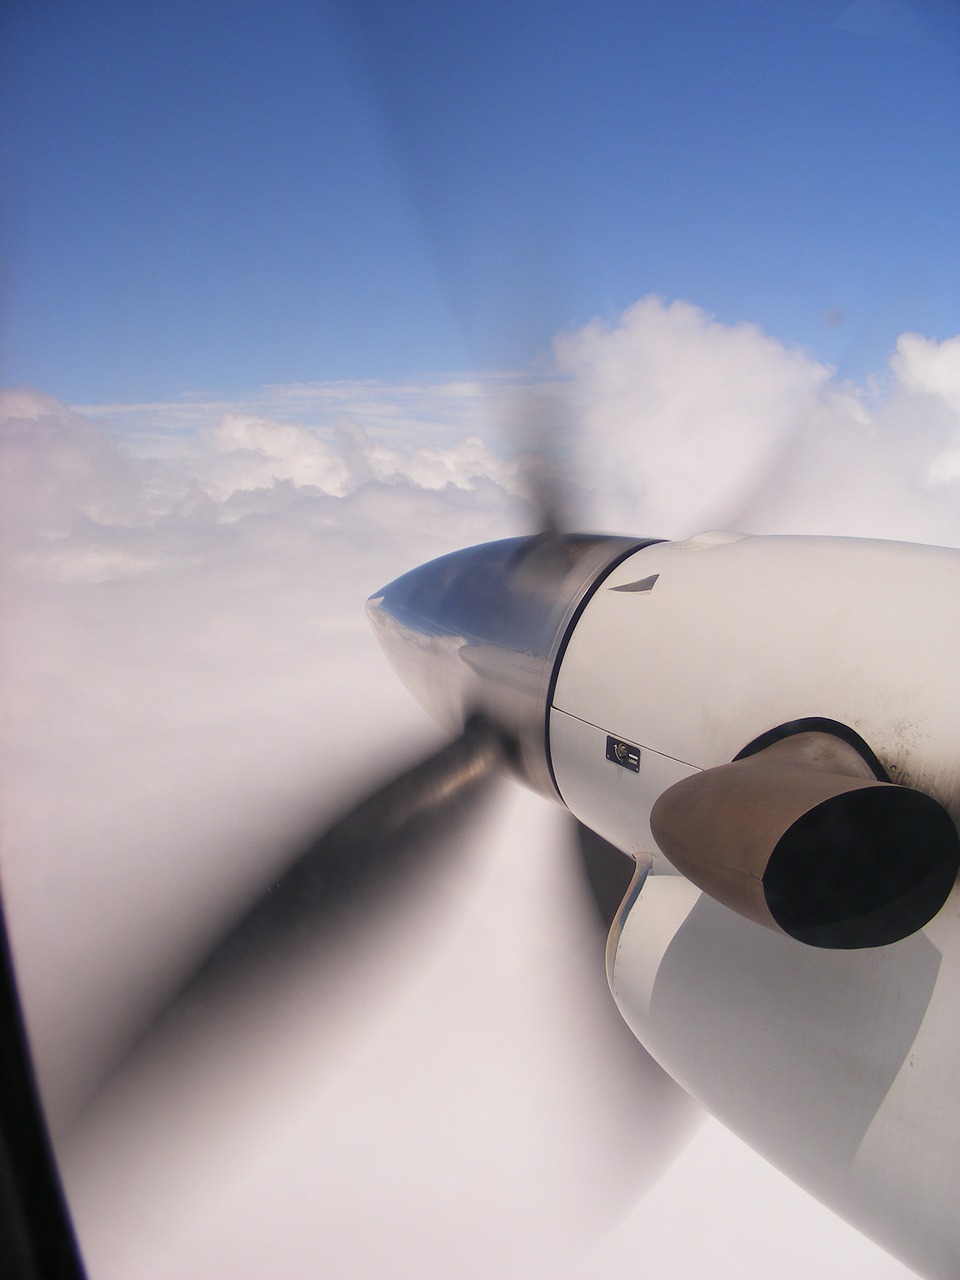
210, 197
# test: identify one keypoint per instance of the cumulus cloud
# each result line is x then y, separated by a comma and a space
244, 453
929, 373
682, 414
189, 682
60, 470
679, 423
929, 368
254, 453
691, 424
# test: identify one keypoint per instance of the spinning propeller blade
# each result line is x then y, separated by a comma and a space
343, 883
350, 870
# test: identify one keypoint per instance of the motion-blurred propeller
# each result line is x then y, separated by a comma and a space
347, 874
495, 617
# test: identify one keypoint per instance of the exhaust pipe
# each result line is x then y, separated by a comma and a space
802, 838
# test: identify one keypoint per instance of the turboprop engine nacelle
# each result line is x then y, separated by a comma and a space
765, 703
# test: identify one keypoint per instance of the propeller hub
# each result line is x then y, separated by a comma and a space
484, 629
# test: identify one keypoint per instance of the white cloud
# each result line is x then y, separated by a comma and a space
692, 424
254, 453
683, 414
929, 372
60, 471
172, 627
930, 368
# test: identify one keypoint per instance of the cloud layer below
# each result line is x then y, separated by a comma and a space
189, 682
